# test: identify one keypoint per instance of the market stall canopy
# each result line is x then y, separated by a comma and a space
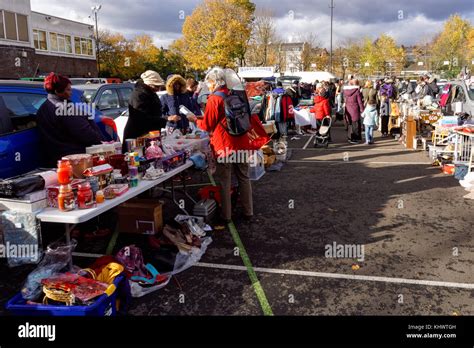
259, 72
312, 76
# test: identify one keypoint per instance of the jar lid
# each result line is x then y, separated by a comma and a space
65, 188
64, 162
85, 186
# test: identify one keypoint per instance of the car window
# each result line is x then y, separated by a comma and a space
460, 95
126, 94
471, 91
89, 95
18, 111
109, 100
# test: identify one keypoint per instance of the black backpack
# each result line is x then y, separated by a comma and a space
237, 112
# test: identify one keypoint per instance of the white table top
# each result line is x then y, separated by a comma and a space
186, 143
78, 216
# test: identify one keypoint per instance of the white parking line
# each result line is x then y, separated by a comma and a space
341, 276
355, 161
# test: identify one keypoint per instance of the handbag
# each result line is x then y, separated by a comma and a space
257, 134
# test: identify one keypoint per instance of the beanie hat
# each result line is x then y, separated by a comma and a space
54, 82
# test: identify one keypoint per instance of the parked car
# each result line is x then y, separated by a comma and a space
122, 120
86, 80
110, 99
19, 137
460, 99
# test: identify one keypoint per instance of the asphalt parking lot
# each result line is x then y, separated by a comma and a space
411, 219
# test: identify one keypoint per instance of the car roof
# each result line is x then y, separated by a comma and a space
99, 85
21, 83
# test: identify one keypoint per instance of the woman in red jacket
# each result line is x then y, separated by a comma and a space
224, 146
322, 107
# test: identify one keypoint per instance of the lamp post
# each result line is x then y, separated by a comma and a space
96, 10
332, 17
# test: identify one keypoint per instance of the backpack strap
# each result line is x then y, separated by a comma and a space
223, 96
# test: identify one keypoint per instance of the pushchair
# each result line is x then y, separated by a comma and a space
323, 135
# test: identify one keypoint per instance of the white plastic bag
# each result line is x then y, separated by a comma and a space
302, 117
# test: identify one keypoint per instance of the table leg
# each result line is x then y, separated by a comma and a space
173, 197
68, 229
183, 179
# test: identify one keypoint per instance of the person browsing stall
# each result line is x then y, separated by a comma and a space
145, 107
223, 144
175, 97
63, 134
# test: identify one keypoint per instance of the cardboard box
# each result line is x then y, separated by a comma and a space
140, 216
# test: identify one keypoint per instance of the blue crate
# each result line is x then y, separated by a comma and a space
104, 306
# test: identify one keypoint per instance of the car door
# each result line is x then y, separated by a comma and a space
19, 137
108, 102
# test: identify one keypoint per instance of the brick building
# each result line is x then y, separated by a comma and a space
34, 44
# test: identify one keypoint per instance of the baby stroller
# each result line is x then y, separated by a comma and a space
322, 136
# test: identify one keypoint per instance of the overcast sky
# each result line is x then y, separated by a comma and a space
406, 20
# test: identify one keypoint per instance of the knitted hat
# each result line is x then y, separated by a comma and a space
152, 78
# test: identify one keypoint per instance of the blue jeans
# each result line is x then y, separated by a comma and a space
369, 134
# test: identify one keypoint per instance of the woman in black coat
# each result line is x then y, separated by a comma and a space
144, 107
62, 134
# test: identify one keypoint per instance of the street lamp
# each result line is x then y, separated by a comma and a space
96, 10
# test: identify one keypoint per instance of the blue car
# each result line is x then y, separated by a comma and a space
19, 136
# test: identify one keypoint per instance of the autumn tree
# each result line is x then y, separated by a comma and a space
119, 57
263, 40
450, 46
217, 33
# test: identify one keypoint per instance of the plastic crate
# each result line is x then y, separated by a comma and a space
104, 306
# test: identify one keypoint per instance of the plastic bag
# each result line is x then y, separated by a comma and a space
57, 258
189, 259
195, 224
21, 238
137, 290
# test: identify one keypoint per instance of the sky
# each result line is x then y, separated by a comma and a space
408, 21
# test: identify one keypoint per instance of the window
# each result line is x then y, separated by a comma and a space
126, 94
68, 41
10, 26
109, 100
77, 45
16, 26
83, 46
2, 31
17, 111
60, 43
22, 22
53, 38
39, 38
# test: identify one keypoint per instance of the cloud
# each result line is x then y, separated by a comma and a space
162, 19
401, 30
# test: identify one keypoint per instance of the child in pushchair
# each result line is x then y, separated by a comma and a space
323, 135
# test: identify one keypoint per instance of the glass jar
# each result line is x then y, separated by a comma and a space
100, 197
85, 197
66, 200
65, 173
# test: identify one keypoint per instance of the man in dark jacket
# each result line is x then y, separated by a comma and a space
144, 107
63, 133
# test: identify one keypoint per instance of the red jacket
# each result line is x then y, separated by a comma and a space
215, 123
321, 107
